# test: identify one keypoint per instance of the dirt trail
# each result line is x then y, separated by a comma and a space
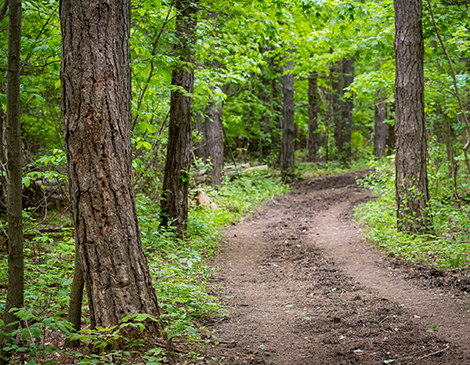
302, 287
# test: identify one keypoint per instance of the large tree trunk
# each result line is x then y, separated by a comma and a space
412, 193
337, 107
288, 130
313, 116
15, 174
380, 128
174, 204
348, 71
96, 111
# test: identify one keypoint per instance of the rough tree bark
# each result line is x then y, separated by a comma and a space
96, 111
174, 203
380, 128
411, 182
288, 130
214, 141
313, 116
337, 105
348, 72
15, 174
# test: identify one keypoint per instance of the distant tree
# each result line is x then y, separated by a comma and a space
337, 100
313, 100
288, 128
96, 111
348, 72
412, 193
15, 294
380, 127
174, 203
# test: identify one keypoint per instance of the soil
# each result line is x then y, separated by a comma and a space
303, 287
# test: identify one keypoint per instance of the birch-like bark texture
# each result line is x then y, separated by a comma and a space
96, 111
411, 182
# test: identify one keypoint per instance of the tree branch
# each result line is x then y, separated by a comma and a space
152, 67
3, 10
456, 2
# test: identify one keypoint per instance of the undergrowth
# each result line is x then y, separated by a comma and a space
178, 268
307, 170
449, 245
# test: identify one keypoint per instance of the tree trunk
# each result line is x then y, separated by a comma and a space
278, 113
380, 127
337, 107
265, 98
76, 298
411, 182
288, 130
348, 71
174, 204
214, 139
313, 116
15, 174
96, 111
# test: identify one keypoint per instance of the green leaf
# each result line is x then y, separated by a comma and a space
25, 334
36, 332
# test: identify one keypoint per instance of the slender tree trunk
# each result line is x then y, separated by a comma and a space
278, 113
214, 139
76, 298
337, 105
348, 71
313, 101
174, 204
412, 193
15, 174
96, 111
380, 127
288, 130
265, 98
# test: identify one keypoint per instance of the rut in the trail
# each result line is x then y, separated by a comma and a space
301, 287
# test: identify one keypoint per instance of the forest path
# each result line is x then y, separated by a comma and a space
302, 287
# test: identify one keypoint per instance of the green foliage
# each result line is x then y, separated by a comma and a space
448, 246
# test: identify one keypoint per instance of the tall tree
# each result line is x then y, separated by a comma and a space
380, 127
264, 94
15, 173
213, 143
313, 116
337, 100
411, 182
348, 71
174, 204
96, 112
288, 128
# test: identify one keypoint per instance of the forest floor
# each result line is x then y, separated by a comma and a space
301, 286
